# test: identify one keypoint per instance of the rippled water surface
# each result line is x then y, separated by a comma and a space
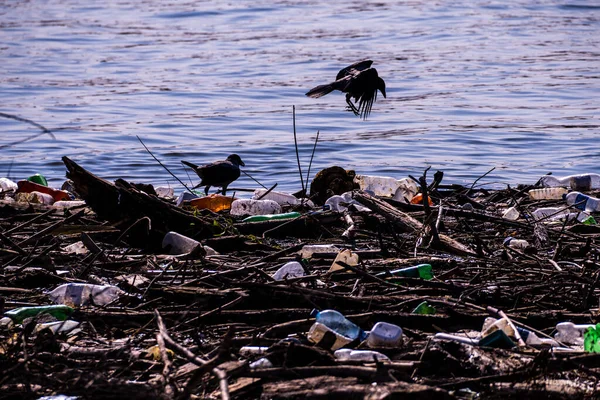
470, 86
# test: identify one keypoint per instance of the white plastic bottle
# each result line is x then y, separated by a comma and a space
280, 198
583, 202
385, 334
6, 185
550, 193
570, 333
254, 207
576, 182
308, 250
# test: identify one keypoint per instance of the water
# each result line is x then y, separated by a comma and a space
471, 86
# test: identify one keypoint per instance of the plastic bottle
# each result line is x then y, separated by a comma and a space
359, 355
261, 363
39, 179
81, 294
341, 202
570, 333
254, 207
28, 187
293, 269
58, 326
576, 182
213, 202
492, 324
337, 322
281, 198
310, 249
423, 271
61, 312
591, 339
583, 202
179, 243
69, 203
407, 189
7, 185
252, 350
384, 334
34, 198
318, 331
518, 244
552, 193
424, 309
385, 185
557, 213
511, 214
272, 217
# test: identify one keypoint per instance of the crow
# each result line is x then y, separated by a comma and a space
358, 81
219, 173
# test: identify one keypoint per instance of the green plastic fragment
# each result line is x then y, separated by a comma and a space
59, 311
423, 271
591, 339
39, 179
271, 217
424, 309
589, 221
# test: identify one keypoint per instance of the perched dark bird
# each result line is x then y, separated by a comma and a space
219, 173
358, 81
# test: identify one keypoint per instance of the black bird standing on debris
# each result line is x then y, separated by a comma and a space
219, 173
358, 81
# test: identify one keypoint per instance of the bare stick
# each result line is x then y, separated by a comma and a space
249, 176
296, 145
310, 163
44, 130
162, 165
477, 180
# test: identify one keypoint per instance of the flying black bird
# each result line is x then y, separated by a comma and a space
358, 81
219, 173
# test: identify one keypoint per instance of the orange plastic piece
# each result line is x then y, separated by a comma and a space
214, 202
418, 199
28, 187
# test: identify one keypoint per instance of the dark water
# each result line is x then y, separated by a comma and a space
471, 85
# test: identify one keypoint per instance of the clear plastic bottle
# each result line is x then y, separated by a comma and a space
423, 271
387, 186
570, 333
254, 207
576, 182
293, 269
69, 203
58, 326
384, 334
557, 213
511, 214
550, 193
583, 202
179, 244
253, 350
81, 294
337, 322
359, 355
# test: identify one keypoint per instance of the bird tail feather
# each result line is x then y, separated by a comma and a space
320, 91
189, 164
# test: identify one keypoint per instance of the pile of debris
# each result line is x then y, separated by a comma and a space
370, 287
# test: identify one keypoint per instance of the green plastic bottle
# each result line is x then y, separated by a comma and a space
423, 271
271, 217
39, 179
60, 312
591, 339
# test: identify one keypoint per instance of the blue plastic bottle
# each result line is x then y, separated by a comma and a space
335, 321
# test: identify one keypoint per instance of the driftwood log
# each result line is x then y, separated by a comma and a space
406, 223
123, 204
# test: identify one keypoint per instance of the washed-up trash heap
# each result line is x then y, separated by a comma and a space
365, 286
